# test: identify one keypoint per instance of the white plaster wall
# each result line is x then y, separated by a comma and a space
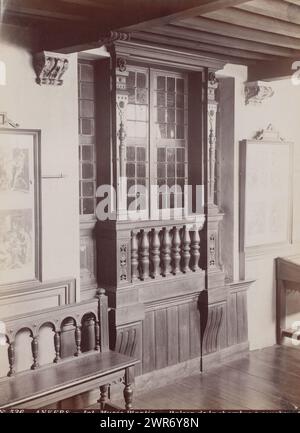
283, 111
53, 110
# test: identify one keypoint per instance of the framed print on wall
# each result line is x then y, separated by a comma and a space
20, 245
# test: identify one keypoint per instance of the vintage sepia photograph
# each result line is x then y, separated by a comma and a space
149, 209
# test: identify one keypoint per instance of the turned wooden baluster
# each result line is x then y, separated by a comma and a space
78, 340
35, 352
97, 335
185, 250
175, 252
134, 255
165, 252
57, 345
155, 253
11, 358
195, 247
144, 255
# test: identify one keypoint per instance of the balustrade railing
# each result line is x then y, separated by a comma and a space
165, 250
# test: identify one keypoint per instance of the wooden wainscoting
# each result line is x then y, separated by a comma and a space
37, 297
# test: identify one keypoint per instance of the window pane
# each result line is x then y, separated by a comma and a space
88, 206
161, 115
171, 116
131, 79
130, 185
161, 83
180, 131
130, 170
161, 170
130, 153
141, 129
87, 153
171, 84
171, 170
161, 154
87, 126
86, 108
161, 99
171, 99
141, 80
179, 100
87, 171
180, 85
88, 189
180, 155
131, 112
161, 130
131, 95
180, 170
141, 170
141, 96
171, 155
180, 117
141, 113
141, 154
171, 131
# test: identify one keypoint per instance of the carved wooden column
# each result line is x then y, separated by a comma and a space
212, 108
175, 251
121, 107
154, 253
216, 276
165, 252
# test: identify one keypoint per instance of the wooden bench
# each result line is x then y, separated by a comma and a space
65, 377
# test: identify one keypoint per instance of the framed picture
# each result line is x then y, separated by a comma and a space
20, 237
266, 181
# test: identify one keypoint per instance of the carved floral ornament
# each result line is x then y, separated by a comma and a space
257, 91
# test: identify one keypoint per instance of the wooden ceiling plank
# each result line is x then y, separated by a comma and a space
198, 46
274, 9
43, 14
203, 6
255, 22
234, 31
223, 41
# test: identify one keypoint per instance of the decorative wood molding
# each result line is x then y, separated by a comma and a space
257, 91
113, 36
50, 68
216, 314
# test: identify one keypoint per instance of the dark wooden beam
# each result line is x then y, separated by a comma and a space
175, 31
124, 15
255, 21
202, 7
269, 71
236, 31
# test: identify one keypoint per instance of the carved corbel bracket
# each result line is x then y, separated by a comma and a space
257, 91
50, 67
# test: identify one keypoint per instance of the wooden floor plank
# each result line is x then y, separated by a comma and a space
267, 379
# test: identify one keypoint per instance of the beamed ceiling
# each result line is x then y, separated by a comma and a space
264, 34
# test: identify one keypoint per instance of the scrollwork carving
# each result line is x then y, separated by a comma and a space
50, 68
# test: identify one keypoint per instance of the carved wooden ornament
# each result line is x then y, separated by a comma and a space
257, 91
50, 68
